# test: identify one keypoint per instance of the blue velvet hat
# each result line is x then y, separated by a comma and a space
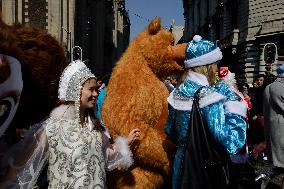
200, 52
280, 70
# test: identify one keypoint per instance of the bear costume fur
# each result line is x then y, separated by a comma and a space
137, 98
42, 61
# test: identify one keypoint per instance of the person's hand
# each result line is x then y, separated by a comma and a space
133, 135
254, 118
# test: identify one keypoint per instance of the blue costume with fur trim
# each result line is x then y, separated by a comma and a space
220, 107
223, 115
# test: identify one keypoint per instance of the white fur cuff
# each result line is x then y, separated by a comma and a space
236, 107
126, 160
205, 59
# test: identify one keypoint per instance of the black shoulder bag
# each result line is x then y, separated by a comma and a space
205, 161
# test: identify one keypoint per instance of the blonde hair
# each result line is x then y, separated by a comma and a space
207, 70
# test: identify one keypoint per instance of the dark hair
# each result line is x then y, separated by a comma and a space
260, 75
245, 84
265, 81
105, 79
240, 86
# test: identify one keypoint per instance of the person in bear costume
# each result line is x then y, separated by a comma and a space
136, 97
30, 67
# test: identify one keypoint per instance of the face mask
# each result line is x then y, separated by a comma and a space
10, 92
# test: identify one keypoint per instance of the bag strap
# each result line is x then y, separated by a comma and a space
197, 94
196, 99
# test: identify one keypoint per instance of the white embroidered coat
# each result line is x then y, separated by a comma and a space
77, 157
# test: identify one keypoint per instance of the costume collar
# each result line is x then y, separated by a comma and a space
197, 78
185, 103
68, 112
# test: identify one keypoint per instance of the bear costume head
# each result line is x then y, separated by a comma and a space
154, 44
136, 97
33, 58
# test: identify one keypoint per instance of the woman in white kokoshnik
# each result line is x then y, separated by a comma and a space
70, 140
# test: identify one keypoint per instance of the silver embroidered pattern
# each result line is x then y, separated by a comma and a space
76, 158
203, 92
180, 97
74, 74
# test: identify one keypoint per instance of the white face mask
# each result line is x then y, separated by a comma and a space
10, 92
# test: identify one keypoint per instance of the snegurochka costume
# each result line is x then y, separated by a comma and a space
225, 118
77, 156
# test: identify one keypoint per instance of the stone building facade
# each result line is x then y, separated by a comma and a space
102, 30
241, 28
100, 27
54, 16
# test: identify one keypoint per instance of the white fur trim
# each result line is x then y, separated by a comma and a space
127, 157
197, 78
229, 79
197, 38
205, 59
236, 107
238, 92
186, 105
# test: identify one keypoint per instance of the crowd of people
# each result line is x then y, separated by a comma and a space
234, 120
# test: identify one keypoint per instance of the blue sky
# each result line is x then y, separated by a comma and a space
140, 11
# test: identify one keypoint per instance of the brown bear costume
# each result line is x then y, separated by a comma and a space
137, 98
42, 60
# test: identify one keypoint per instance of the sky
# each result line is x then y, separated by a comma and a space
141, 11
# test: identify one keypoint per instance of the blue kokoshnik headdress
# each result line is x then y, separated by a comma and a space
200, 52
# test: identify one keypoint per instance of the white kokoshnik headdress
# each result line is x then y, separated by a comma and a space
71, 81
